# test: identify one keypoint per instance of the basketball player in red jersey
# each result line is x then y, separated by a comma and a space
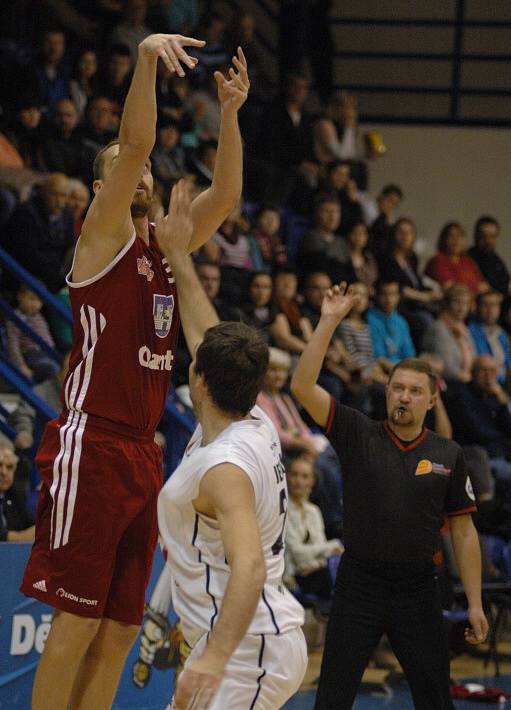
96, 521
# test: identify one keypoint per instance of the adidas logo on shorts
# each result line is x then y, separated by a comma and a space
40, 585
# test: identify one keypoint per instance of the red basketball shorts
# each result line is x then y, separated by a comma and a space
96, 525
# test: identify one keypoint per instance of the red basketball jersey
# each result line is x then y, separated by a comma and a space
125, 331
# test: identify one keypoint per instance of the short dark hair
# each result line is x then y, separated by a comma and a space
391, 189
233, 359
333, 164
385, 281
97, 165
482, 222
324, 197
417, 365
491, 292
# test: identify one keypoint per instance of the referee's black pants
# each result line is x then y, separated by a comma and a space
372, 599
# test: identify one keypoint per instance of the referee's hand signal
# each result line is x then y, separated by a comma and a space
338, 302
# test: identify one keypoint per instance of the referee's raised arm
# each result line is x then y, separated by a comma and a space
337, 303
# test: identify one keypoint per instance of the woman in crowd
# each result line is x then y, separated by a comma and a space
270, 250
259, 310
362, 265
451, 265
291, 330
84, 82
449, 336
307, 548
418, 300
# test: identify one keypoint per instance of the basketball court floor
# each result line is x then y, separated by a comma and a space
374, 695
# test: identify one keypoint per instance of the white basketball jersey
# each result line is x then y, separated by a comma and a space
196, 556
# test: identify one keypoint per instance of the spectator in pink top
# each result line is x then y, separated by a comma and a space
451, 265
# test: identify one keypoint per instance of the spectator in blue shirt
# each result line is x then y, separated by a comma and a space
489, 338
52, 71
389, 330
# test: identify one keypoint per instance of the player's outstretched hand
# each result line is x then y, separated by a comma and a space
478, 630
233, 92
196, 687
169, 48
174, 231
338, 302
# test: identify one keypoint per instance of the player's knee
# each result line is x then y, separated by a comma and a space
71, 626
120, 634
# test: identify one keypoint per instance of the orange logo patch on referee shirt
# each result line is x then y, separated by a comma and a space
424, 466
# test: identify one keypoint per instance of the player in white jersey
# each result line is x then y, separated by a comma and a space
222, 518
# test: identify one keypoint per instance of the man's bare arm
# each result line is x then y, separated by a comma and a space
336, 304
226, 493
211, 207
108, 224
173, 233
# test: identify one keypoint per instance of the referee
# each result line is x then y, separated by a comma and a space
400, 480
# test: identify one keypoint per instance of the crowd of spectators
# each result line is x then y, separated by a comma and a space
308, 219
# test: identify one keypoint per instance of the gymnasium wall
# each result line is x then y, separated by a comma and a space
447, 174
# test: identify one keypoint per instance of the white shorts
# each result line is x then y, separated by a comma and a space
262, 674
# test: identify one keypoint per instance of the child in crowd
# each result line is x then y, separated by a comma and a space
271, 250
25, 354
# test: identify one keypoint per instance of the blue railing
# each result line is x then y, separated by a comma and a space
35, 285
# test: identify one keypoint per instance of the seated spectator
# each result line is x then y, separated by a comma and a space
286, 138
210, 277
30, 359
338, 364
23, 418
266, 235
204, 109
79, 199
242, 33
25, 132
494, 270
168, 157
51, 69
362, 265
39, 233
132, 30
452, 265
97, 131
480, 414
382, 225
418, 300
291, 330
335, 132
84, 81
339, 182
489, 338
114, 82
259, 310
203, 166
16, 522
449, 336
307, 549
321, 248
356, 336
61, 147
230, 248
390, 333
297, 439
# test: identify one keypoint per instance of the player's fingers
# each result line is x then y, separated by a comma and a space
235, 91
336, 290
236, 79
166, 60
169, 52
242, 57
190, 41
183, 56
159, 216
242, 70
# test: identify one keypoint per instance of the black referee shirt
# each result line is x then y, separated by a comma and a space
396, 493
